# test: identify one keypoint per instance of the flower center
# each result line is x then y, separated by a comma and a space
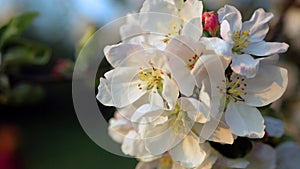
235, 89
192, 61
152, 79
181, 124
241, 41
174, 31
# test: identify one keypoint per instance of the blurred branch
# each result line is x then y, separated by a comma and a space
277, 28
41, 79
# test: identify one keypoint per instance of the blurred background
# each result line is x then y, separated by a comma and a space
38, 126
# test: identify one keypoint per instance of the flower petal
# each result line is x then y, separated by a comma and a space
188, 152
244, 120
268, 85
170, 92
104, 93
258, 25
226, 32
195, 109
191, 9
288, 155
158, 6
224, 162
222, 134
193, 28
119, 128
115, 54
160, 138
208, 162
221, 47
232, 15
133, 145
123, 86
146, 114
155, 98
245, 65
263, 48
261, 156
274, 127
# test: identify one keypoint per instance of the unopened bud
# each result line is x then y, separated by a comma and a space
210, 22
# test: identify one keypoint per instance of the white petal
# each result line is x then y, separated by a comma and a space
182, 47
208, 162
148, 165
118, 129
224, 163
158, 6
189, 153
288, 155
133, 145
160, 17
104, 93
221, 47
194, 108
115, 54
133, 34
274, 127
170, 92
232, 15
193, 28
245, 65
270, 60
123, 86
191, 9
263, 48
209, 66
222, 135
180, 50
146, 114
268, 85
262, 156
244, 120
226, 32
155, 98
160, 138
258, 25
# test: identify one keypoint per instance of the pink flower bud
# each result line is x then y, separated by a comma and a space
211, 23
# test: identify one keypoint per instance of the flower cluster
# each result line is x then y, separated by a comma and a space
186, 82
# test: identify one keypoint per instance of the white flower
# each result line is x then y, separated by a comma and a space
274, 127
166, 162
241, 40
160, 20
120, 130
188, 62
171, 131
288, 155
243, 95
139, 74
227, 163
262, 156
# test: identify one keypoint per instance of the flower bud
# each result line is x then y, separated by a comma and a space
210, 22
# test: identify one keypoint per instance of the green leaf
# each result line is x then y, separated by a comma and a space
31, 54
26, 94
16, 26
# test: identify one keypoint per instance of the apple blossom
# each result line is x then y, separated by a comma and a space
241, 41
